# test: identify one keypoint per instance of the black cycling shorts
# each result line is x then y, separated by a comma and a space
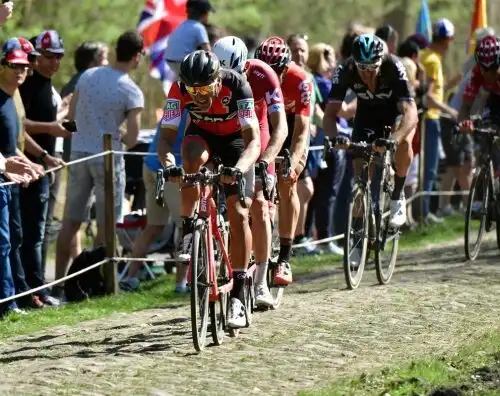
370, 126
228, 148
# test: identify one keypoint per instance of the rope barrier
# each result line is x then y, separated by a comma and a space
128, 259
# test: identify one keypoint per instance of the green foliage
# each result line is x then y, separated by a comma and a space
321, 20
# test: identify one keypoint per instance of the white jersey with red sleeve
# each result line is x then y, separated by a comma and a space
476, 82
297, 91
267, 95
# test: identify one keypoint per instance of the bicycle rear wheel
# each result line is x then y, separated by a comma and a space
356, 240
386, 241
473, 216
200, 289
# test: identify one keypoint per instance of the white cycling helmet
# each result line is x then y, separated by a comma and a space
232, 53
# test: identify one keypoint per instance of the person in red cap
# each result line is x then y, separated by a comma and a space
13, 71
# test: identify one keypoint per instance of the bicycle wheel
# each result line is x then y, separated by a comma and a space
356, 240
387, 240
199, 285
218, 308
480, 193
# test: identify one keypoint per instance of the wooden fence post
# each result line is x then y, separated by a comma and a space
110, 268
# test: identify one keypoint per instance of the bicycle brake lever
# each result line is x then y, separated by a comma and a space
160, 188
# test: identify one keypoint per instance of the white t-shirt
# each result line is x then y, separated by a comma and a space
105, 95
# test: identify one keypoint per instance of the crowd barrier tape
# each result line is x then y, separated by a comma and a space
129, 259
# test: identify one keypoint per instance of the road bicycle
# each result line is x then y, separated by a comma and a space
483, 202
370, 205
210, 273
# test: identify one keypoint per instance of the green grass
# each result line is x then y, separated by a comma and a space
449, 231
160, 291
157, 293
460, 370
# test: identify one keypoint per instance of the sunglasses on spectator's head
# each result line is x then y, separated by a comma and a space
205, 90
363, 66
52, 55
15, 66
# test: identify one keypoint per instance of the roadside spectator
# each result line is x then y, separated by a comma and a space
88, 54
390, 37
321, 62
190, 35
13, 72
6, 11
443, 33
104, 98
214, 33
41, 123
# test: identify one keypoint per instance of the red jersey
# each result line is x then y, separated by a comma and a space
267, 95
231, 110
297, 91
477, 81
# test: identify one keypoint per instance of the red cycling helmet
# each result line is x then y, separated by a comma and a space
487, 52
274, 52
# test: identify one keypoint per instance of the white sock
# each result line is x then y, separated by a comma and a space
261, 273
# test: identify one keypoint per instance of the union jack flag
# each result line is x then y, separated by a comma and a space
157, 21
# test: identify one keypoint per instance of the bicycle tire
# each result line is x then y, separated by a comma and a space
199, 326
482, 176
354, 281
382, 232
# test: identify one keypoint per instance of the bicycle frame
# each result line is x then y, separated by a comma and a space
207, 209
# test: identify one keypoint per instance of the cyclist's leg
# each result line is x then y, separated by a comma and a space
403, 159
229, 149
261, 238
288, 210
195, 152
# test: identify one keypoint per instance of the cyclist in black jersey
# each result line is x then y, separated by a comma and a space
383, 95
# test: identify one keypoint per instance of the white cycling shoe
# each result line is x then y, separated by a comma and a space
398, 213
263, 297
236, 315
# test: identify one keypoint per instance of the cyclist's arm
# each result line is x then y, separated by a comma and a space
470, 93
406, 104
302, 121
280, 130
335, 104
249, 128
169, 124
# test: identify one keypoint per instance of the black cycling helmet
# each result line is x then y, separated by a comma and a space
367, 49
199, 68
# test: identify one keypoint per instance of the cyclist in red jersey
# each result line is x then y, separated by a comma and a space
223, 124
232, 53
486, 75
297, 89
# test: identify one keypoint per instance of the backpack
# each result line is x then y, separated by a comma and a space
90, 283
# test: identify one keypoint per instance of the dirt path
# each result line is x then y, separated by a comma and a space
435, 302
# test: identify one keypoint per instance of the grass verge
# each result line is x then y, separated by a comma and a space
472, 369
448, 231
159, 292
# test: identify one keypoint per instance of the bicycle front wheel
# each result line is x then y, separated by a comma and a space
200, 289
387, 240
477, 210
356, 236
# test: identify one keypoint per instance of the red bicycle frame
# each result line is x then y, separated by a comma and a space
208, 210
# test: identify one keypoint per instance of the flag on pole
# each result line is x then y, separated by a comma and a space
158, 20
479, 20
424, 26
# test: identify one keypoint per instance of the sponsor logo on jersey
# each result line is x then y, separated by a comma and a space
172, 110
274, 96
246, 108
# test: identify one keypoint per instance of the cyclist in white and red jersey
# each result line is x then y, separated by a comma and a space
486, 75
297, 89
232, 53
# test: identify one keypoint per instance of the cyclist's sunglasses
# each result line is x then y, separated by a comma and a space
362, 66
205, 90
